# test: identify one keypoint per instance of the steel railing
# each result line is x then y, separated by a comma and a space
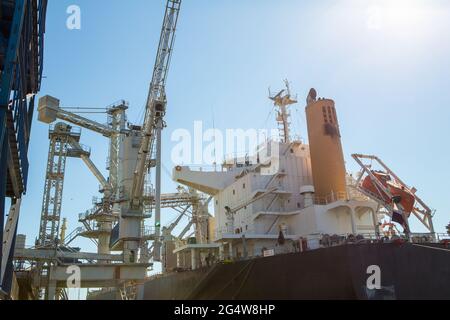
331, 198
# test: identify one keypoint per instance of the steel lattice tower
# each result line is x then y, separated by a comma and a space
60, 137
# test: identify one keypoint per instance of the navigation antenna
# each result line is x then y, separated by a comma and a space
282, 101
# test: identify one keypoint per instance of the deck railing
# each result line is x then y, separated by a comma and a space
331, 198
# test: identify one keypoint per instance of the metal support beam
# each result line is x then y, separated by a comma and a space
9, 234
49, 111
9, 64
20, 80
42, 254
101, 275
2, 199
91, 166
157, 244
85, 123
186, 229
6, 83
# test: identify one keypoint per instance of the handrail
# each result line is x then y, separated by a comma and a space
331, 198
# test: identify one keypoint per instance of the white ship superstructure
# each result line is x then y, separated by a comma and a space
256, 212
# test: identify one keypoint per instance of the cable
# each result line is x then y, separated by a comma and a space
268, 117
166, 171
301, 122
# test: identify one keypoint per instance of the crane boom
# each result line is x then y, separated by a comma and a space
85, 123
156, 101
50, 110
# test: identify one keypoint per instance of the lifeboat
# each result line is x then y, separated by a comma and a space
399, 194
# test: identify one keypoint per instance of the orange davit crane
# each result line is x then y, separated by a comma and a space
386, 188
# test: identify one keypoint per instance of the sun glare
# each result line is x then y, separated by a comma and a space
399, 15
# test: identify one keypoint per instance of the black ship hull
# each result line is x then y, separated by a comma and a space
407, 271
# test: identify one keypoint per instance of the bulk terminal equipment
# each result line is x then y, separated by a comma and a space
292, 225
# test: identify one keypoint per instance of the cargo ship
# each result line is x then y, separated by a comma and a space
290, 223
284, 221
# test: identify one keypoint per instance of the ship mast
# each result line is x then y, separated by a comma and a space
282, 101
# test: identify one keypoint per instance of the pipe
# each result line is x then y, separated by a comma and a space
157, 248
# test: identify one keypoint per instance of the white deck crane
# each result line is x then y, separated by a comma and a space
151, 134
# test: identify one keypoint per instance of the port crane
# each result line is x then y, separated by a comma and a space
64, 142
129, 198
153, 125
134, 151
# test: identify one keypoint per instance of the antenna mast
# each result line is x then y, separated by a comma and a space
283, 100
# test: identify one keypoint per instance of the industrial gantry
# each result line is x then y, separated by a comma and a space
116, 223
22, 27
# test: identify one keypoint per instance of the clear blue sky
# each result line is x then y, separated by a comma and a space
386, 66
